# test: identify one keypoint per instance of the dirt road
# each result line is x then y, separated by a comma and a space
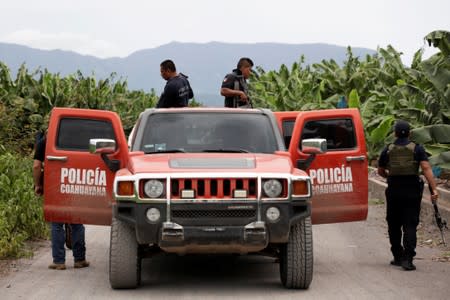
351, 261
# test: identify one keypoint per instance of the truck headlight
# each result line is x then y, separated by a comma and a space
272, 188
153, 188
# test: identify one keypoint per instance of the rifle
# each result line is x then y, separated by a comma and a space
237, 82
441, 223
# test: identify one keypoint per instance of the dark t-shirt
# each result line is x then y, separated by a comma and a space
177, 93
235, 81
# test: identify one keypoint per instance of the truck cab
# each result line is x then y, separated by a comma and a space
206, 180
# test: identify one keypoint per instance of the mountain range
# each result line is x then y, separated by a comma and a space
206, 64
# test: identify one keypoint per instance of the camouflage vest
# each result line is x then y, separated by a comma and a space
401, 160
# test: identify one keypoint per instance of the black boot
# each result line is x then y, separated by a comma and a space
396, 262
408, 265
399, 255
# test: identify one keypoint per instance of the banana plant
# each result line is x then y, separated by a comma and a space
26, 101
380, 85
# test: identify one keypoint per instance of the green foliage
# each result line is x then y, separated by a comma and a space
437, 141
21, 215
26, 102
380, 85
353, 101
194, 103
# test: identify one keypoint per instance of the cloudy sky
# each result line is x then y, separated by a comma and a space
107, 28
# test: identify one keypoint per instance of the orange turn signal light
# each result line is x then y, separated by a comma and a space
300, 187
125, 188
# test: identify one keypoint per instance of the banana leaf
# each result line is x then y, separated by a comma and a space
379, 134
439, 39
439, 133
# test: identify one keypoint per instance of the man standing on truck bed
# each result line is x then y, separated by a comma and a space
58, 232
177, 91
400, 162
234, 85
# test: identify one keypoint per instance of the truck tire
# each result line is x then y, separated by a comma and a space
124, 261
296, 257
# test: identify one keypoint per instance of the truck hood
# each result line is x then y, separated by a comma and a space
210, 162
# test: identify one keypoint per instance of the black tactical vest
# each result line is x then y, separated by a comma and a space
401, 160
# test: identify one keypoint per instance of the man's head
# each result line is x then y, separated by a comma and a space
401, 128
245, 65
168, 69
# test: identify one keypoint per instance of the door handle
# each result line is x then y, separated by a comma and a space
57, 158
353, 158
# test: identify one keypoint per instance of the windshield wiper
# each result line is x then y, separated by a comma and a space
178, 150
233, 150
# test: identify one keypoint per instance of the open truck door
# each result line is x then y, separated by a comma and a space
78, 185
340, 176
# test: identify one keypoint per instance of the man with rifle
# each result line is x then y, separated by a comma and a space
399, 162
234, 85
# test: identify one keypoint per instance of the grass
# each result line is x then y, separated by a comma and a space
376, 201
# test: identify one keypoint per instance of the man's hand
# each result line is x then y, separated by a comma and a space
38, 190
434, 195
243, 96
427, 171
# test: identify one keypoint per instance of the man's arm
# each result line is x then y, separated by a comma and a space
37, 177
227, 92
228, 88
382, 163
427, 171
382, 172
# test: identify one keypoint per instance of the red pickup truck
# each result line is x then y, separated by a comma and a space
207, 180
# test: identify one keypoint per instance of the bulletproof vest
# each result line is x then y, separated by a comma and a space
401, 160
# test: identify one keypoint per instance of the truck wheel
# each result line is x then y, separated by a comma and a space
124, 261
296, 257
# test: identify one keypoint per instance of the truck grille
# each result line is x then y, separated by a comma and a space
193, 214
217, 188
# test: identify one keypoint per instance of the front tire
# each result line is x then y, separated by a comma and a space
296, 256
124, 261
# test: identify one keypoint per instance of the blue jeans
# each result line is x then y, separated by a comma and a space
59, 238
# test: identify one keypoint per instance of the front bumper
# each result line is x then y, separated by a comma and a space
237, 227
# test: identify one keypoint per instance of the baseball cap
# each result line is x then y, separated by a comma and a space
402, 128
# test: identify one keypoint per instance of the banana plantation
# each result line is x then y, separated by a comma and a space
379, 85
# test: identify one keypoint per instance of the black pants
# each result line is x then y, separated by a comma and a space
403, 197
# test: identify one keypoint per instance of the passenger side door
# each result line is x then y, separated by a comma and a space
339, 177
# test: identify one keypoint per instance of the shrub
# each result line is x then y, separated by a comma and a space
21, 213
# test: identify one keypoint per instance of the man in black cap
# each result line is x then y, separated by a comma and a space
234, 85
399, 163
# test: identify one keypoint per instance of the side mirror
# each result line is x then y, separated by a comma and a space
102, 146
314, 146
105, 147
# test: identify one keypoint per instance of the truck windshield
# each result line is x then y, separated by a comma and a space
208, 132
